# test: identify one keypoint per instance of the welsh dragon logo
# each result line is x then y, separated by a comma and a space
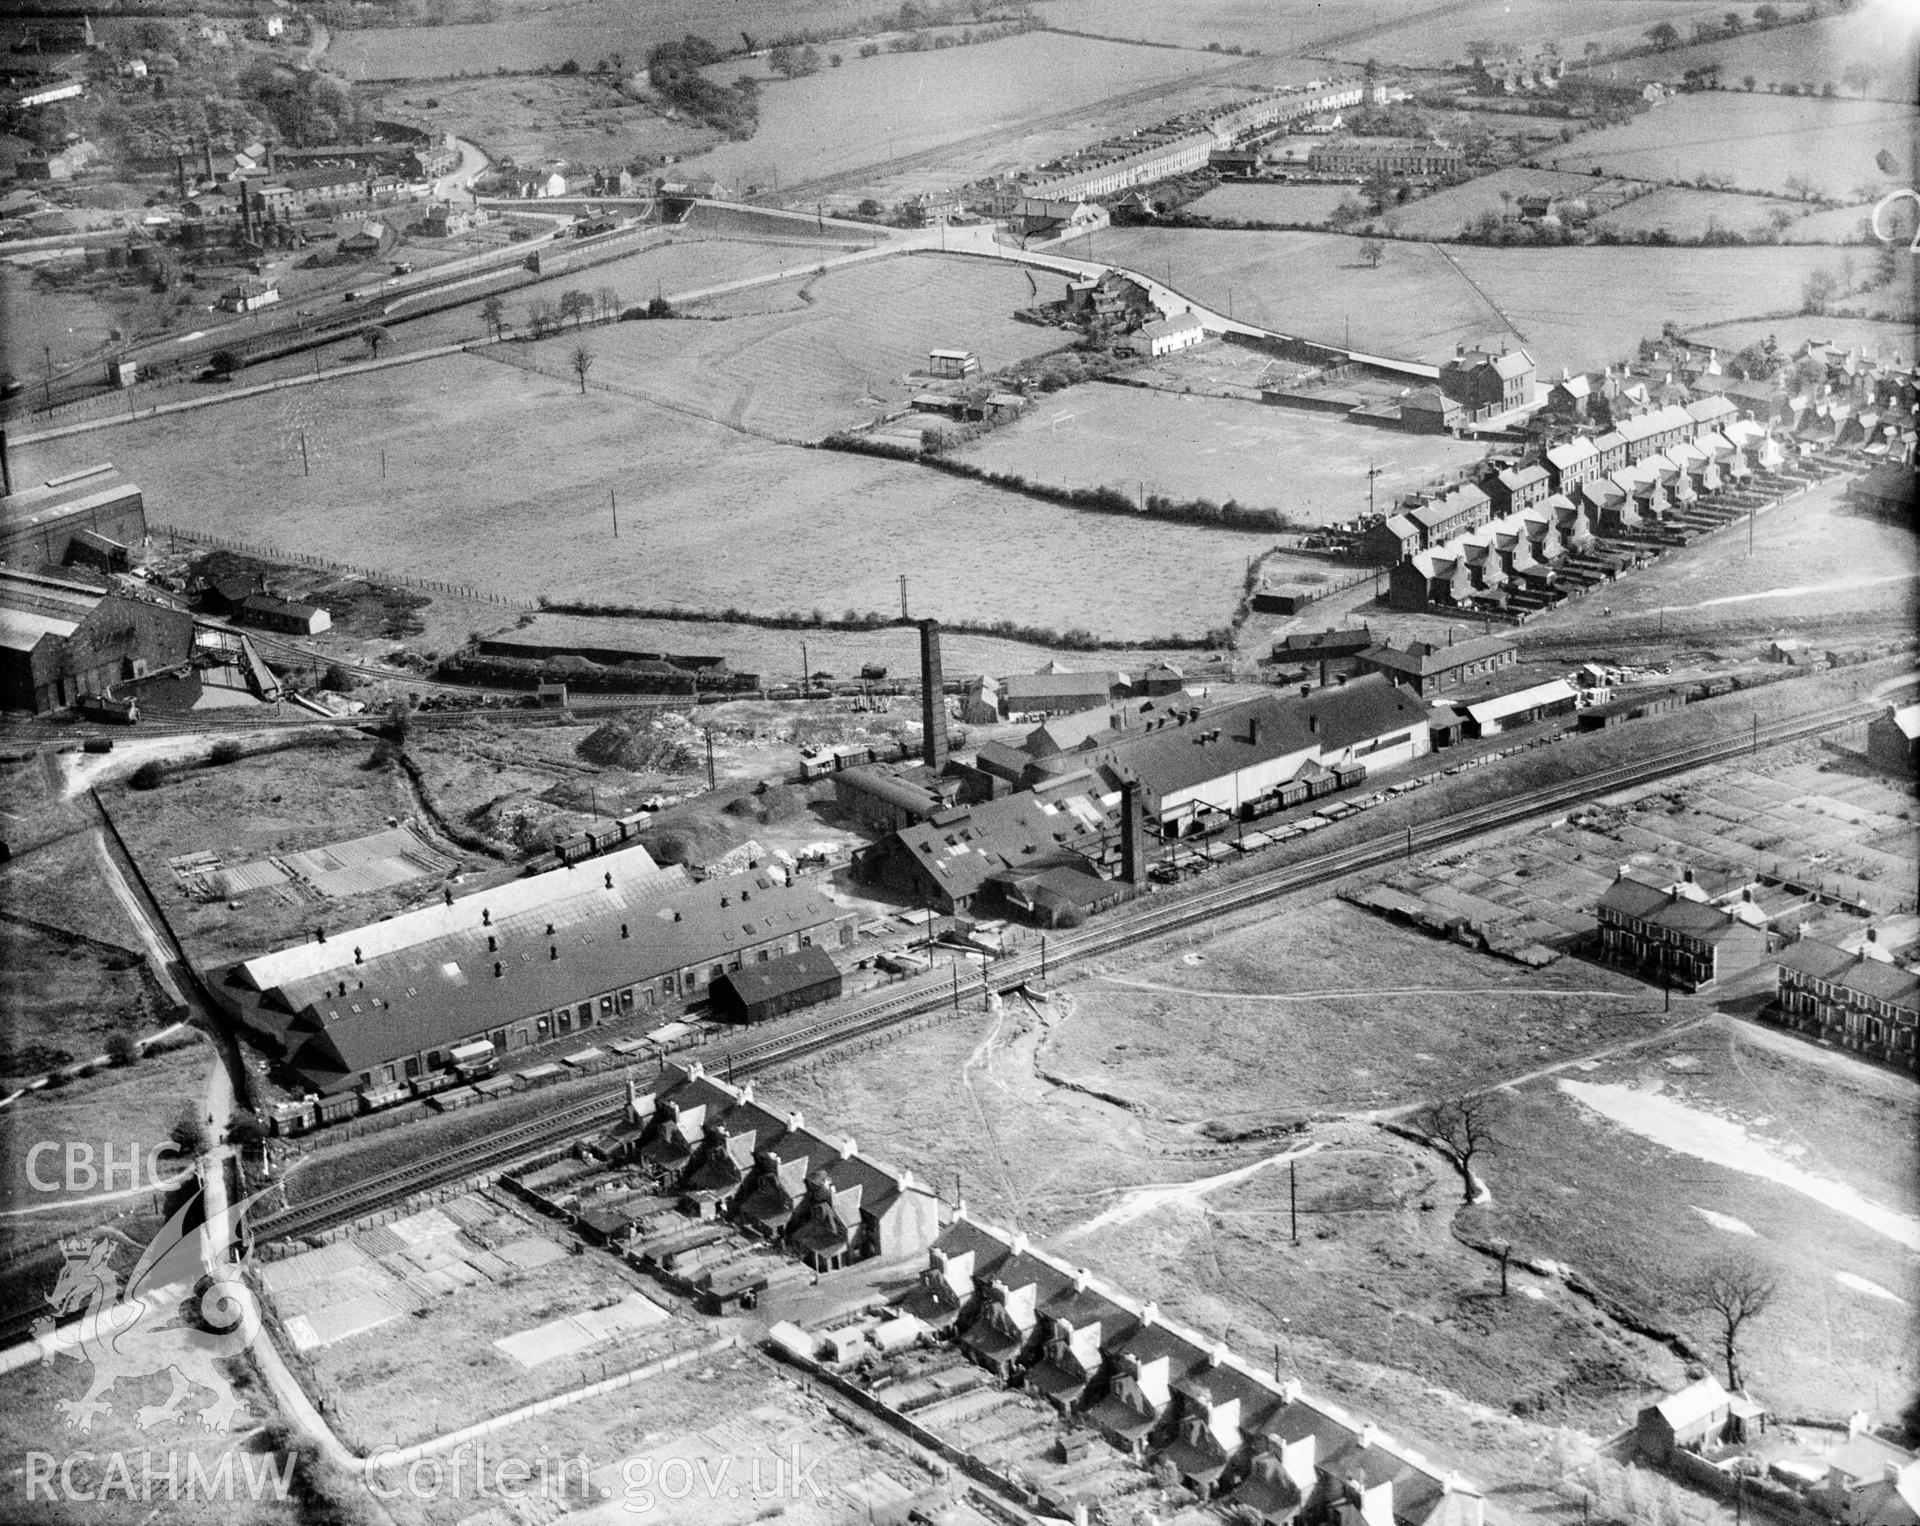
136, 1331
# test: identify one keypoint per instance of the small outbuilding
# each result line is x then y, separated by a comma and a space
755, 993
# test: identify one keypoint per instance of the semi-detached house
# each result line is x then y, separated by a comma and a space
1853, 1000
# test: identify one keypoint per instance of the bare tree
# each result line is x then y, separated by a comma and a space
373, 338
575, 305
582, 362
1464, 1128
1734, 1287
608, 301
492, 313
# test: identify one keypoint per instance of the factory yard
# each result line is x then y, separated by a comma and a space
1307, 466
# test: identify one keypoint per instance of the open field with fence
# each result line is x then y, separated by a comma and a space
1882, 38
843, 354
1310, 466
1582, 308
876, 109
499, 480
1757, 142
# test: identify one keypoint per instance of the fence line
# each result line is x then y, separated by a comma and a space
325, 564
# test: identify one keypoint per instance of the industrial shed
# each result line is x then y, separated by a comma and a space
756, 993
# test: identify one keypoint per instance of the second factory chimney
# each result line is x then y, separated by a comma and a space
933, 698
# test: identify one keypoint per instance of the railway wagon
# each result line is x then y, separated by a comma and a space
288, 1118
337, 1109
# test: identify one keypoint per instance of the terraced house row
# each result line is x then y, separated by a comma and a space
1164, 1394
1856, 1000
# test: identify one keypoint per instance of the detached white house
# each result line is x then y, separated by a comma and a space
1165, 335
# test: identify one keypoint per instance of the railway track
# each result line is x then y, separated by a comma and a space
1155, 917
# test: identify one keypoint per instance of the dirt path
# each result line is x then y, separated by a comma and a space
1137, 1202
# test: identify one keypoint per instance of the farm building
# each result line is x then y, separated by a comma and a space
1197, 768
1893, 740
1233, 1434
950, 860
1536, 702
733, 1157
757, 992
954, 365
1163, 336
62, 640
271, 613
38, 524
1855, 1000
517, 965
1427, 669
1486, 382
1699, 1418
1674, 934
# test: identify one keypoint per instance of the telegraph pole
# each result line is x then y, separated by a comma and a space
615, 507
1373, 471
806, 673
710, 779
1293, 1202
903, 596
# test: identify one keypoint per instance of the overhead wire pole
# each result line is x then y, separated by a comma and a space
615, 508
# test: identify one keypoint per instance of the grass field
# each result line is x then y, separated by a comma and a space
1312, 466
535, 36
1582, 308
1687, 213
1440, 35
1274, 203
63, 998
1882, 37
1395, 34
1758, 142
1587, 1187
530, 515
878, 109
838, 358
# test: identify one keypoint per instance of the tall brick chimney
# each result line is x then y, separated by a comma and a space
1133, 834
933, 698
6, 466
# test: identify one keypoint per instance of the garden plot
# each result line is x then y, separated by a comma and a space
499, 1315
355, 867
1756, 142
